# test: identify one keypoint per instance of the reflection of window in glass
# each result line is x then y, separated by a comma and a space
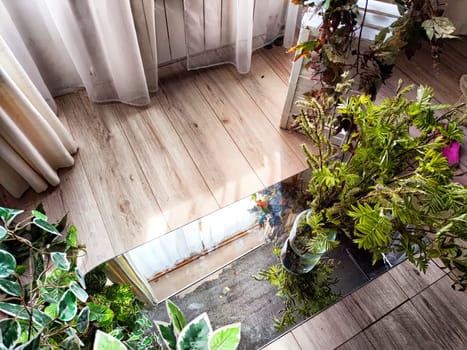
199, 236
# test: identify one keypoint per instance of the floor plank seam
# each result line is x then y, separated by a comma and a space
230, 135
161, 87
88, 178
141, 167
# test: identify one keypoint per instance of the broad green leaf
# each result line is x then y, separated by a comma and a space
70, 343
52, 310
10, 331
67, 307
45, 226
39, 267
21, 269
10, 287
225, 338
72, 237
7, 264
79, 292
33, 344
39, 215
195, 334
100, 313
83, 320
80, 277
3, 232
18, 311
176, 316
62, 224
8, 215
104, 341
60, 260
167, 333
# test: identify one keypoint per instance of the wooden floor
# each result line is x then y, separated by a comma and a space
401, 309
206, 140
210, 138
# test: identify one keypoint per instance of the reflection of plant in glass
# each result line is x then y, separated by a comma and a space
302, 295
116, 310
269, 205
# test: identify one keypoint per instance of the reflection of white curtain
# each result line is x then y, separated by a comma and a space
226, 31
33, 142
165, 252
108, 46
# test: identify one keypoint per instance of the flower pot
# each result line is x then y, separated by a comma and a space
295, 257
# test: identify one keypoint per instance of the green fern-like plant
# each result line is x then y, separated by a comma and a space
389, 186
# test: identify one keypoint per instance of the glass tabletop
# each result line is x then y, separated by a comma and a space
243, 236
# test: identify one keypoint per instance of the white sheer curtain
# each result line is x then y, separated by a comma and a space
33, 141
227, 31
107, 46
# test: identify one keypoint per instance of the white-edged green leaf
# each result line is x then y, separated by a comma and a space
83, 320
3, 233
80, 277
195, 335
10, 287
18, 311
60, 260
167, 333
33, 344
7, 263
8, 215
71, 342
104, 341
46, 226
225, 338
79, 292
52, 310
67, 307
10, 331
39, 215
176, 316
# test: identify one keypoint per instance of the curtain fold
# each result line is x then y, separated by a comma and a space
227, 31
33, 141
107, 46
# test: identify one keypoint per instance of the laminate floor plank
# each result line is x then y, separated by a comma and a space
223, 166
444, 80
374, 300
279, 60
328, 329
412, 280
269, 91
358, 342
171, 173
262, 145
403, 328
127, 205
81, 207
445, 310
287, 342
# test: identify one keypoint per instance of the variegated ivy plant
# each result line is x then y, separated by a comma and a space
43, 291
43, 298
196, 334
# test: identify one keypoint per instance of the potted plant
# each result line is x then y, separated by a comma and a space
340, 47
306, 244
387, 180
